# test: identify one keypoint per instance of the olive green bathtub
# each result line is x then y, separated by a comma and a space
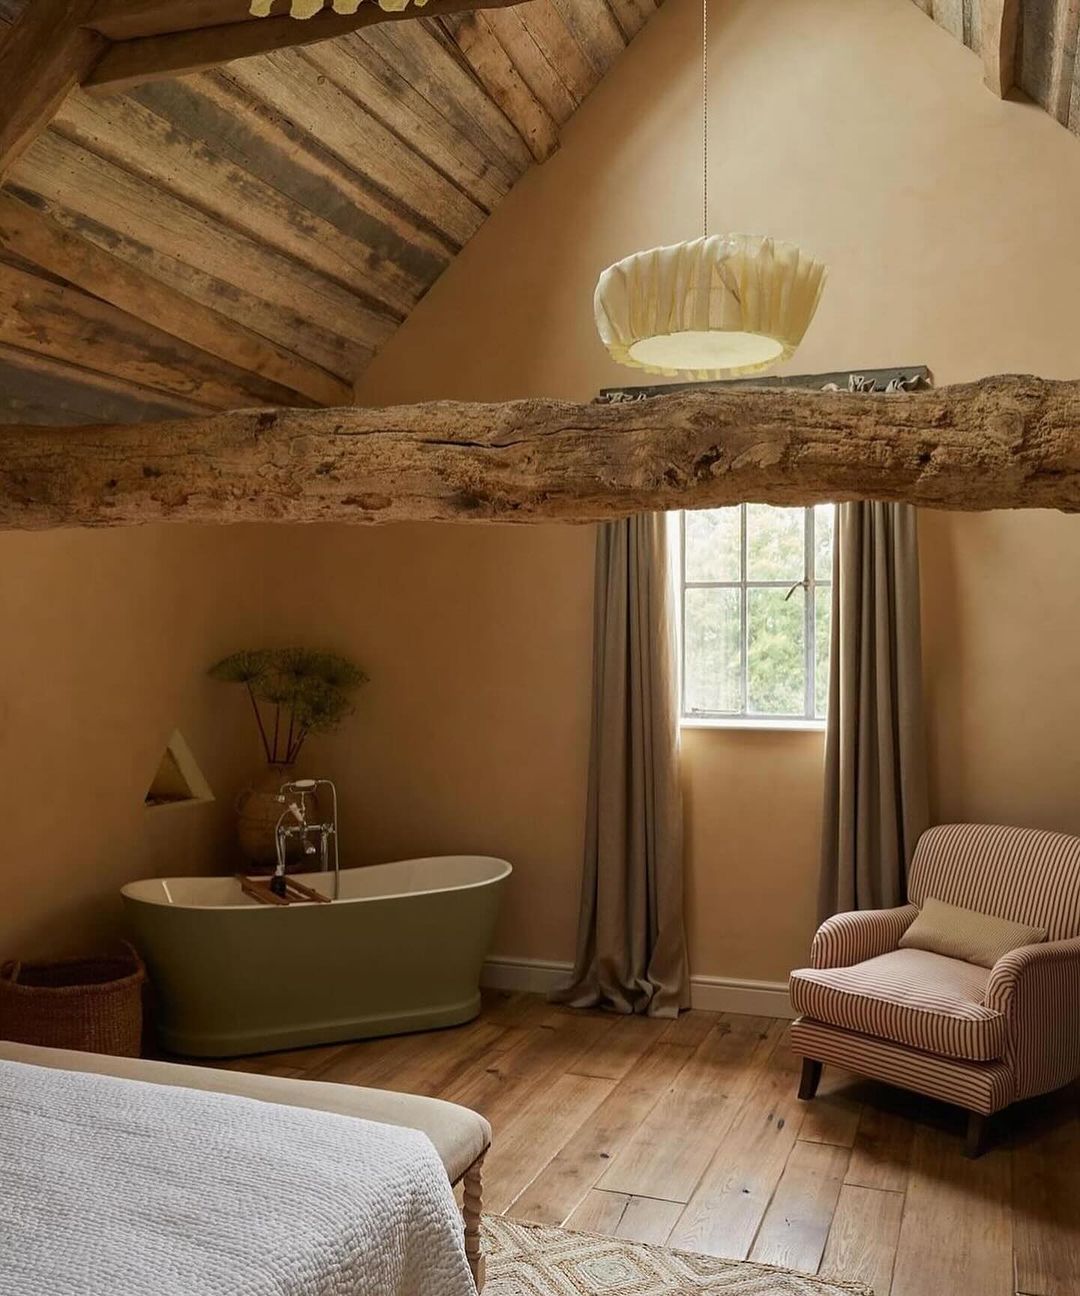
401, 950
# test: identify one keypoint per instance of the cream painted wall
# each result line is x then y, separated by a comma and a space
472, 735
104, 645
856, 126
948, 218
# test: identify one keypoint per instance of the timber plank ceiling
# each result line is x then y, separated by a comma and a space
252, 235
1044, 60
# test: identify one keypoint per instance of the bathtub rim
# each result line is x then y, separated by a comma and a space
127, 890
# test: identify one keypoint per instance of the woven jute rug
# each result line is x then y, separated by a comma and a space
534, 1260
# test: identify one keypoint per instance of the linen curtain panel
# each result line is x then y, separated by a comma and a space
631, 952
875, 761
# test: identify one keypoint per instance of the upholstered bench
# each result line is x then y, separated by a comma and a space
461, 1137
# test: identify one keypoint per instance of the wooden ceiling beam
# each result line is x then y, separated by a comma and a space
43, 57
130, 19
1010, 442
1000, 37
134, 62
46, 392
39, 239
61, 322
112, 45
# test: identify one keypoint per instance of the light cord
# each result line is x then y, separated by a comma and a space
705, 114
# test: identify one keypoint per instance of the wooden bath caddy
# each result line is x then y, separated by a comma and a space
295, 892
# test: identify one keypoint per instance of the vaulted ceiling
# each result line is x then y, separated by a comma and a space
253, 234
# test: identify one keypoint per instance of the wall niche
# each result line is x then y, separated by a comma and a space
178, 780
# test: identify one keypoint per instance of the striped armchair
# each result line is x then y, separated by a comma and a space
978, 1037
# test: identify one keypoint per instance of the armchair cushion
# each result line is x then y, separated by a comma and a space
911, 997
848, 938
964, 934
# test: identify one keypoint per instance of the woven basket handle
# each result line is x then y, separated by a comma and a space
136, 957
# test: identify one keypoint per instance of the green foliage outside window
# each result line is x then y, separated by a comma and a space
756, 584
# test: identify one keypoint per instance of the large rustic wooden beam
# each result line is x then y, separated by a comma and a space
134, 62
998, 443
1000, 21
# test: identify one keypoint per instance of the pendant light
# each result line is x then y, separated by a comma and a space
715, 307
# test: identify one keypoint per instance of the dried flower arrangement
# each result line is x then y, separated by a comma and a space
294, 692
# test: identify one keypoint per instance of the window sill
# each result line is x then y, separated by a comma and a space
751, 722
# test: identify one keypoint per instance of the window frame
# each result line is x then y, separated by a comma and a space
810, 584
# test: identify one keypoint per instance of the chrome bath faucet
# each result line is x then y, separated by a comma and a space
294, 822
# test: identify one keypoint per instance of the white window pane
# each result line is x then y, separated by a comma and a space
713, 544
775, 543
776, 652
822, 620
712, 651
824, 521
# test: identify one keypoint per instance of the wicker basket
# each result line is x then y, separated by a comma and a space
91, 1004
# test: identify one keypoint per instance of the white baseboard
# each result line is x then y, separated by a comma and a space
735, 995
532, 976
715, 994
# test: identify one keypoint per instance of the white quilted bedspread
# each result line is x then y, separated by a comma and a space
118, 1188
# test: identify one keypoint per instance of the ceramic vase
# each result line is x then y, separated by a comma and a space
257, 813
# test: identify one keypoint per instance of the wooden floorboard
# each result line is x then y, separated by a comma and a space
724, 1214
796, 1225
689, 1133
957, 1233
672, 1148
862, 1237
557, 1192
1046, 1204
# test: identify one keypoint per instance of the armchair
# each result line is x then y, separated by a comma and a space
981, 1038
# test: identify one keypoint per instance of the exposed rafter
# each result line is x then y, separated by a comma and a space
43, 57
1000, 32
134, 62
39, 240
1011, 442
57, 45
1030, 48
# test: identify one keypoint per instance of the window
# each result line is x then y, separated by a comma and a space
755, 612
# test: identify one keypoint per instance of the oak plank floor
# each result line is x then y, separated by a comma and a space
688, 1133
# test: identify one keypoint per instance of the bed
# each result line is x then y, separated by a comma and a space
123, 1177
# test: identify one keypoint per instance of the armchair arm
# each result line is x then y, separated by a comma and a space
1037, 989
848, 938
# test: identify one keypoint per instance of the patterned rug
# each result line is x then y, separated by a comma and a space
533, 1260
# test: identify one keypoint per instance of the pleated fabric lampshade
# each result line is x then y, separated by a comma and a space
715, 307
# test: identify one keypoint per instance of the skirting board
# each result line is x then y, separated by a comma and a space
715, 994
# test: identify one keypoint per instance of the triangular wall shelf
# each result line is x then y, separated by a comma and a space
178, 780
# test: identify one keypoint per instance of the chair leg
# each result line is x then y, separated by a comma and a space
811, 1078
472, 1208
978, 1129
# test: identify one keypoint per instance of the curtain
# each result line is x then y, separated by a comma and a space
631, 952
875, 766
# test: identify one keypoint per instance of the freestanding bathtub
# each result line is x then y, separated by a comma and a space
401, 950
